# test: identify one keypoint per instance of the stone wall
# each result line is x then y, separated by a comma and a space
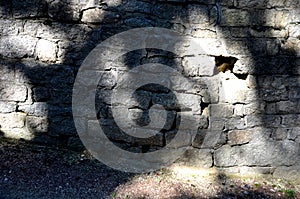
250, 115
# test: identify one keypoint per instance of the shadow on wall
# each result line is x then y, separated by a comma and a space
45, 56
269, 54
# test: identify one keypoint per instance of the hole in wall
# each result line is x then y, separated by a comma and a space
224, 64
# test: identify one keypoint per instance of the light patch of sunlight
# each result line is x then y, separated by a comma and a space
233, 89
18, 134
189, 173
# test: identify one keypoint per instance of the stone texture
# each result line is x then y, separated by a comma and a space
20, 46
258, 154
12, 120
13, 92
46, 50
248, 118
199, 66
239, 137
197, 157
7, 107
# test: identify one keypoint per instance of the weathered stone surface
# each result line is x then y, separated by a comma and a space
197, 157
12, 120
46, 50
221, 110
246, 117
291, 120
34, 8
36, 109
65, 11
13, 92
258, 154
20, 46
208, 139
199, 66
7, 107
235, 17
97, 15
235, 123
239, 137
239, 110
37, 125
288, 107
40, 94
234, 90
290, 173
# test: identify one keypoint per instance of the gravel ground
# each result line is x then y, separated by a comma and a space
33, 171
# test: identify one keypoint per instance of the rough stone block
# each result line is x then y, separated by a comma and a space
7, 107
19, 46
36, 109
234, 90
239, 137
221, 110
66, 11
213, 84
62, 126
235, 123
274, 95
9, 27
258, 154
209, 139
18, 133
13, 92
97, 15
294, 93
235, 17
254, 108
37, 125
251, 4
291, 120
294, 134
287, 107
199, 66
239, 110
34, 8
40, 94
197, 157
46, 50
289, 173
12, 120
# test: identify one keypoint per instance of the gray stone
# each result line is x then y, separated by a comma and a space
221, 110
290, 120
294, 93
288, 173
12, 120
235, 123
40, 94
239, 137
258, 154
65, 11
199, 66
13, 92
197, 157
36, 109
20, 46
46, 50
239, 110
235, 17
26, 9
7, 107
288, 107
97, 15
37, 125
